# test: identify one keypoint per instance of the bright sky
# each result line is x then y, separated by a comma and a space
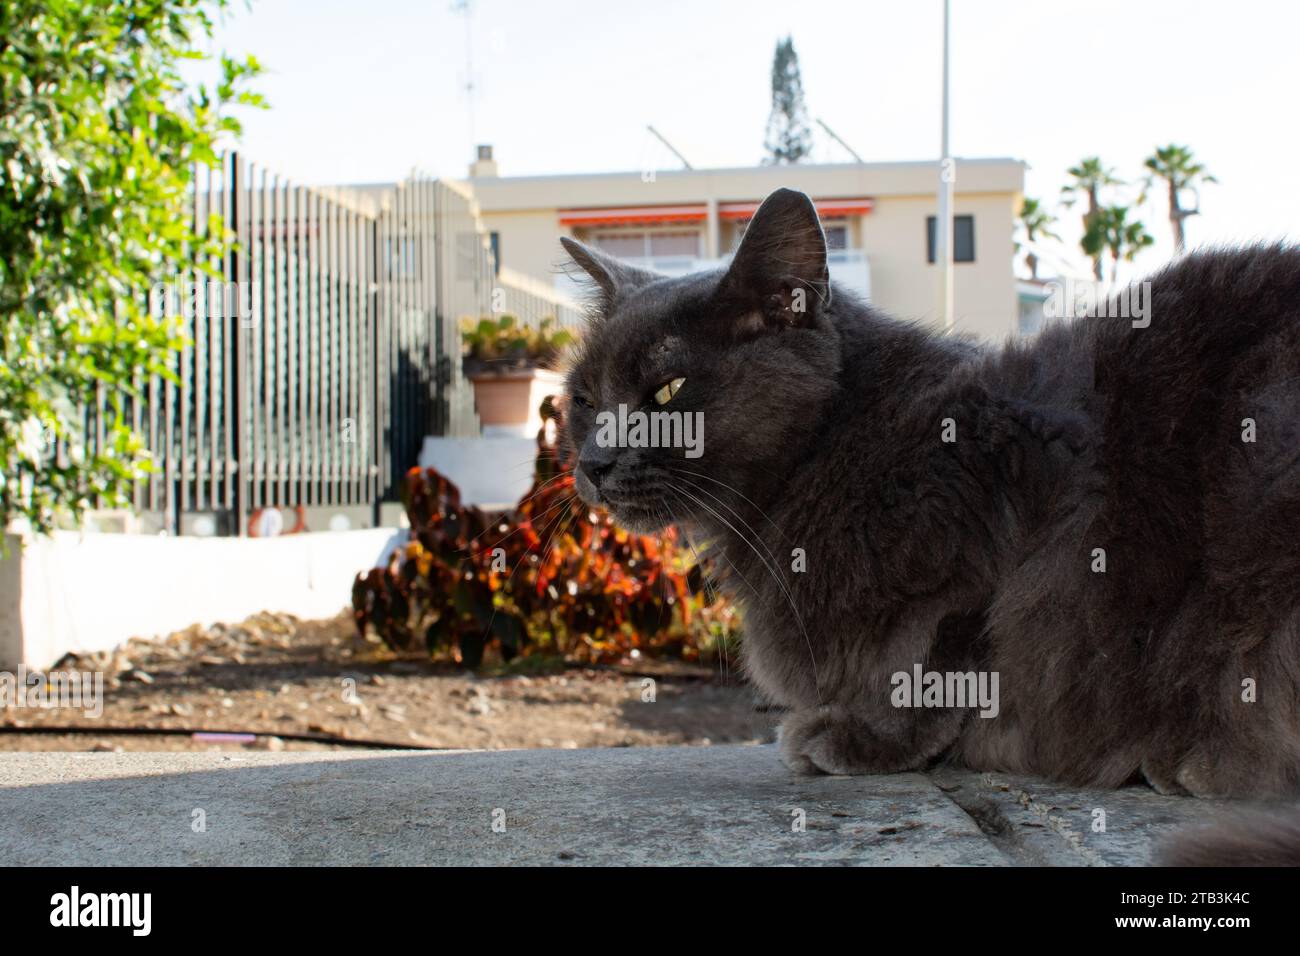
364, 91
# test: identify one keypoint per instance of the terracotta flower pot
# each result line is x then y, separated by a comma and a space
508, 398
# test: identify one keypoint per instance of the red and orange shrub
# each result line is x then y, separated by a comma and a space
551, 577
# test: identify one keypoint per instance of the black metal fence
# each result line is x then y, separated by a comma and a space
323, 355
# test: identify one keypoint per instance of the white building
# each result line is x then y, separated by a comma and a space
879, 221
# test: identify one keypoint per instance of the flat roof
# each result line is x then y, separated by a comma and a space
904, 164
741, 183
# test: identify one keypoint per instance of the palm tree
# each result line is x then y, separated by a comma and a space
1036, 221
1111, 231
1180, 170
1090, 176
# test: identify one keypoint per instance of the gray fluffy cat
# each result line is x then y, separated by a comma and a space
1106, 517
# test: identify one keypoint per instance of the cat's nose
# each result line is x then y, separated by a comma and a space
597, 459
596, 470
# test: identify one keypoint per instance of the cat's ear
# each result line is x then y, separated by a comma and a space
779, 277
609, 274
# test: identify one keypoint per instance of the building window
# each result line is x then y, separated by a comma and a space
649, 244
627, 246
837, 236
963, 238
495, 239
674, 243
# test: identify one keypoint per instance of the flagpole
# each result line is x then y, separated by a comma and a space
943, 221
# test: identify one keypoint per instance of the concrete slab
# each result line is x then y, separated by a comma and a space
1039, 823
710, 805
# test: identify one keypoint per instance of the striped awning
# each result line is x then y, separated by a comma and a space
698, 212
633, 215
826, 208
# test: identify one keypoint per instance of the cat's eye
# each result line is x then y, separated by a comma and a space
581, 401
665, 394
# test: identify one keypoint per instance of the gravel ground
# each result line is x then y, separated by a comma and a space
273, 675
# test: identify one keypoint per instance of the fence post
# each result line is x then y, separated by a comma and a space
237, 265
440, 418
375, 473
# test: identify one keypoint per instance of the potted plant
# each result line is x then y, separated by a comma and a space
511, 367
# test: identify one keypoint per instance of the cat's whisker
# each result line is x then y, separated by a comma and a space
519, 527
540, 488
738, 515
510, 577
724, 660
733, 490
531, 461
562, 523
724, 657
775, 577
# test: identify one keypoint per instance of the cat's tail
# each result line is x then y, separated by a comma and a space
1264, 838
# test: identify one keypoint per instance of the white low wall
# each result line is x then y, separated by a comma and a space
73, 592
491, 472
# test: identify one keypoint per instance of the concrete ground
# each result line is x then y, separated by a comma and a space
681, 805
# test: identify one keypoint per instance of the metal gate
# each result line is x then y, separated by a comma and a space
324, 353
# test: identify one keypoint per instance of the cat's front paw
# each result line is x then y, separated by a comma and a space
834, 741
1204, 772
1162, 777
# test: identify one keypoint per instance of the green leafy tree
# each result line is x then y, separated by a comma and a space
1089, 177
789, 138
1181, 172
1035, 223
1111, 231
98, 137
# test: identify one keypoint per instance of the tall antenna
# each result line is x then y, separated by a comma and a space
467, 8
836, 136
671, 148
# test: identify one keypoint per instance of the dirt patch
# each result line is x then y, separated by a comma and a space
274, 675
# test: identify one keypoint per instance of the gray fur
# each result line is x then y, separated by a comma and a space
824, 433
